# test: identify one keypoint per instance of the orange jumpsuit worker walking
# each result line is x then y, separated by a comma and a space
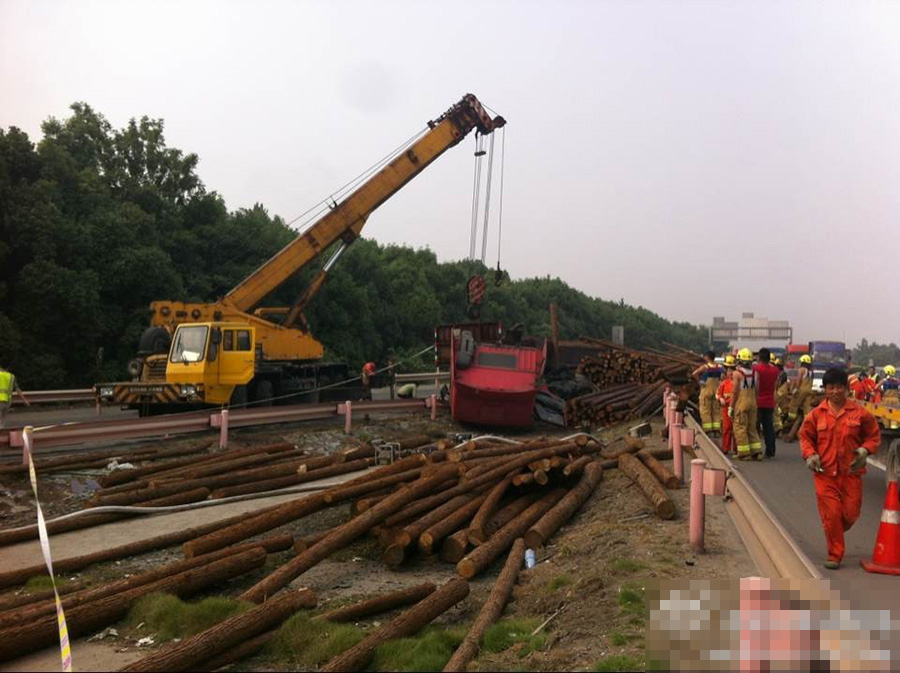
836, 438
723, 396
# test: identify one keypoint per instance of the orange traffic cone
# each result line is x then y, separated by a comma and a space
886, 557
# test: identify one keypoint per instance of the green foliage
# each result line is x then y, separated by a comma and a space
618, 638
514, 632
97, 222
169, 617
308, 643
879, 354
619, 662
429, 651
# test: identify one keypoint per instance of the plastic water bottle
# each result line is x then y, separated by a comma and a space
530, 559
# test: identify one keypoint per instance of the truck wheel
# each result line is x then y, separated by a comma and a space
239, 397
264, 392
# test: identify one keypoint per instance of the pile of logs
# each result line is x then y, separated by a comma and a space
467, 505
627, 383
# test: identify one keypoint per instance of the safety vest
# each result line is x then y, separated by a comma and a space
7, 385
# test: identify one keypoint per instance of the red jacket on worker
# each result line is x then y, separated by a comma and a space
766, 382
836, 437
858, 388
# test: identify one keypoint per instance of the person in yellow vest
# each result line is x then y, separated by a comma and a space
780, 393
802, 401
742, 408
8, 388
709, 374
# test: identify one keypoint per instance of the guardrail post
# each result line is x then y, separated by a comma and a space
26, 444
433, 407
223, 430
677, 455
698, 504
98, 408
348, 417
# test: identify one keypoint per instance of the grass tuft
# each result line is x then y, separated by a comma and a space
618, 662
631, 599
309, 643
514, 632
429, 651
43, 583
559, 582
169, 617
626, 565
618, 638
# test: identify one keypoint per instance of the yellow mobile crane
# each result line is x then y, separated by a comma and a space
230, 351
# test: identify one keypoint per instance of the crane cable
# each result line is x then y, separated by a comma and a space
476, 193
500, 214
487, 199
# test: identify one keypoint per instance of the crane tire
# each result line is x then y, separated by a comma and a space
154, 340
263, 393
892, 462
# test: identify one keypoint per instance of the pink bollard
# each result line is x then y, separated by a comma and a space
677, 455
698, 504
679, 418
98, 408
433, 407
223, 430
348, 417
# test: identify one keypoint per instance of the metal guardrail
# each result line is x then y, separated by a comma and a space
422, 376
49, 396
193, 421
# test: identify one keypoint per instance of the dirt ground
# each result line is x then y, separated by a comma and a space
614, 543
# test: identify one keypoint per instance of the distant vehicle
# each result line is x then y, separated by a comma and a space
827, 355
793, 353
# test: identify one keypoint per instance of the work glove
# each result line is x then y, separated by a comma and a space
814, 463
860, 461
730, 412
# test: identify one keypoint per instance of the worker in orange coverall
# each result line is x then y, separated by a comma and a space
723, 396
836, 438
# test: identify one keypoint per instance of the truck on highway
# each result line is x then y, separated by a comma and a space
827, 355
233, 351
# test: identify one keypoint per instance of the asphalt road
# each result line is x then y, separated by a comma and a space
786, 486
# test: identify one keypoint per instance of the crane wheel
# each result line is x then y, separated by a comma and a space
264, 393
892, 462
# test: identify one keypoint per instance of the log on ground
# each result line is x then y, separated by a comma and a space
218, 639
379, 604
407, 624
548, 524
491, 610
652, 489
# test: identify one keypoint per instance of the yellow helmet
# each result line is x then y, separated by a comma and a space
776, 361
890, 370
805, 360
745, 355
729, 361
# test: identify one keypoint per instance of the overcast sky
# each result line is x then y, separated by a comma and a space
694, 158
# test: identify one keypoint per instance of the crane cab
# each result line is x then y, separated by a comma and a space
207, 361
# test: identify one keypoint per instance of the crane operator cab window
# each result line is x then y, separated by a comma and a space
227, 340
189, 344
243, 340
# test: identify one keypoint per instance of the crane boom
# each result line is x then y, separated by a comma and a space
346, 220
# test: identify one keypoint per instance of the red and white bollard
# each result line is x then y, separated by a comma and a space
698, 504
223, 429
348, 417
677, 455
433, 400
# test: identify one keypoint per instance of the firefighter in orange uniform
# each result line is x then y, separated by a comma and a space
836, 438
723, 396
857, 387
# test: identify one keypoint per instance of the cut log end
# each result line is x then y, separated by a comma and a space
426, 543
465, 569
533, 539
666, 510
394, 555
